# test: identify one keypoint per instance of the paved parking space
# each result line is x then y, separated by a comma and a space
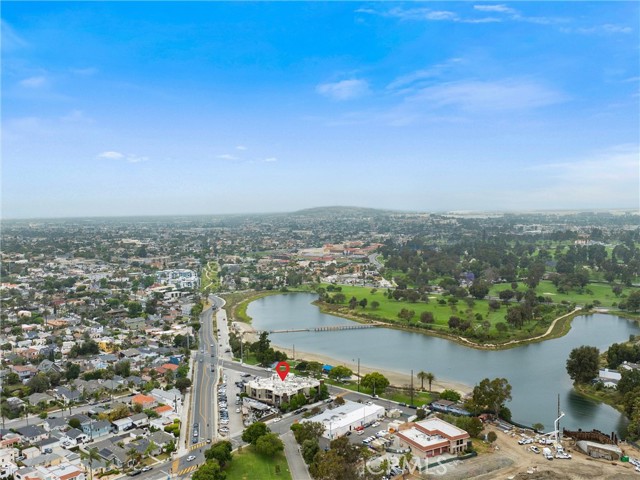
235, 424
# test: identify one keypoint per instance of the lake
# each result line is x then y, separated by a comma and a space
536, 371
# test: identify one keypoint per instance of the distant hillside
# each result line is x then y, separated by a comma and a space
340, 211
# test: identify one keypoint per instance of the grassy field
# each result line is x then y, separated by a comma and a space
593, 291
248, 465
388, 311
210, 282
393, 394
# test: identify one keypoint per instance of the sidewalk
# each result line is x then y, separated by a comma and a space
184, 417
297, 466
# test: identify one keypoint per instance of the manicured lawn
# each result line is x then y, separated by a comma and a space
593, 291
392, 394
248, 465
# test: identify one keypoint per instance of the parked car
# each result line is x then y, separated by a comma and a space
133, 473
146, 469
191, 458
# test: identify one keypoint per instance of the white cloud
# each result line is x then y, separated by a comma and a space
34, 82
111, 155
509, 94
344, 90
271, 159
76, 116
241, 147
424, 74
129, 157
607, 176
10, 40
604, 29
494, 8
226, 156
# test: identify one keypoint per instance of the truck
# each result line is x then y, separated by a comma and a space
546, 452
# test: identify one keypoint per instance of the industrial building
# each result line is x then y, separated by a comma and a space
338, 421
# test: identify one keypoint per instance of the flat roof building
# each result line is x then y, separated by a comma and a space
432, 437
274, 391
340, 420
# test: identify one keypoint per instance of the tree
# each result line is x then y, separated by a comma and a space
422, 377
221, 452
479, 289
254, 431
492, 436
123, 368
340, 372
450, 395
182, 384
633, 301
72, 371
13, 378
375, 381
309, 450
583, 364
353, 303
39, 383
210, 470
421, 414
307, 431
363, 303
491, 394
269, 444
454, 322
430, 378
74, 423
134, 309
472, 425
427, 317
538, 427
90, 455
375, 304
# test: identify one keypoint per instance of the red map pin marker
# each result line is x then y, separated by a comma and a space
283, 370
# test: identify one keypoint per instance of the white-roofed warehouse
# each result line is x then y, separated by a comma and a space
340, 420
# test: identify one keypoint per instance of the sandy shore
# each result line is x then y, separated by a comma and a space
395, 378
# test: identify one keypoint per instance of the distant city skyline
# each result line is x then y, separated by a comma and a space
124, 109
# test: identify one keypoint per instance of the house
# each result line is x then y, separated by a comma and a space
47, 366
63, 471
112, 453
162, 439
74, 437
55, 424
171, 397
31, 452
66, 395
140, 419
609, 378
46, 460
97, 429
630, 366
122, 424
37, 398
432, 437
145, 401
48, 444
32, 433
15, 403
9, 455
137, 323
164, 410
25, 372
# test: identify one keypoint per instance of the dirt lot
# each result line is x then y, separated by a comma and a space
511, 460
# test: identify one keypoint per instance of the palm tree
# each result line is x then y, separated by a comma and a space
430, 378
422, 376
91, 455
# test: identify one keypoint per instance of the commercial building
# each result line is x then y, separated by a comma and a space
274, 391
433, 437
340, 420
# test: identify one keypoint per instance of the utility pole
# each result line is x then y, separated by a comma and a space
294, 352
411, 387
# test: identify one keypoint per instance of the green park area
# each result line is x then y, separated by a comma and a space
210, 282
247, 464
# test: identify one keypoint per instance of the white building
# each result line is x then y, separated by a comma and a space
338, 421
609, 378
274, 391
179, 278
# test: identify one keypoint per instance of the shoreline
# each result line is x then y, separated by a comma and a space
397, 379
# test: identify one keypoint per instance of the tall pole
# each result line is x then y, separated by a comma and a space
294, 352
411, 387
358, 375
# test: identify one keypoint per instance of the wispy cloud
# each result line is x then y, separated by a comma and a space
34, 82
86, 72
241, 147
9, 38
604, 29
344, 89
270, 159
494, 8
226, 156
76, 116
419, 76
129, 157
500, 95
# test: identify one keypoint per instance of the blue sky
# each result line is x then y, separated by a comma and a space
196, 108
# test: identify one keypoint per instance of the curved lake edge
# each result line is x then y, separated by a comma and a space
559, 327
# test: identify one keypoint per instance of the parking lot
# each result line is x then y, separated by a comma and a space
232, 425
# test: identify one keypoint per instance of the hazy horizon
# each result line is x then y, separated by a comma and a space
212, 108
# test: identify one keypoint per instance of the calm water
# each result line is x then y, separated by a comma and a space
536, 372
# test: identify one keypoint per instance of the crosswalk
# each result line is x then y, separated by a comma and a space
195, 446
189, 469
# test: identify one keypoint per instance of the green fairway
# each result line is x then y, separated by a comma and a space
248, 465
594, 291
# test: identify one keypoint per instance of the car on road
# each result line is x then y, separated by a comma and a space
201, 359
208, 440
146, 469
238, 410
133, 473
213, 345
191, 458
